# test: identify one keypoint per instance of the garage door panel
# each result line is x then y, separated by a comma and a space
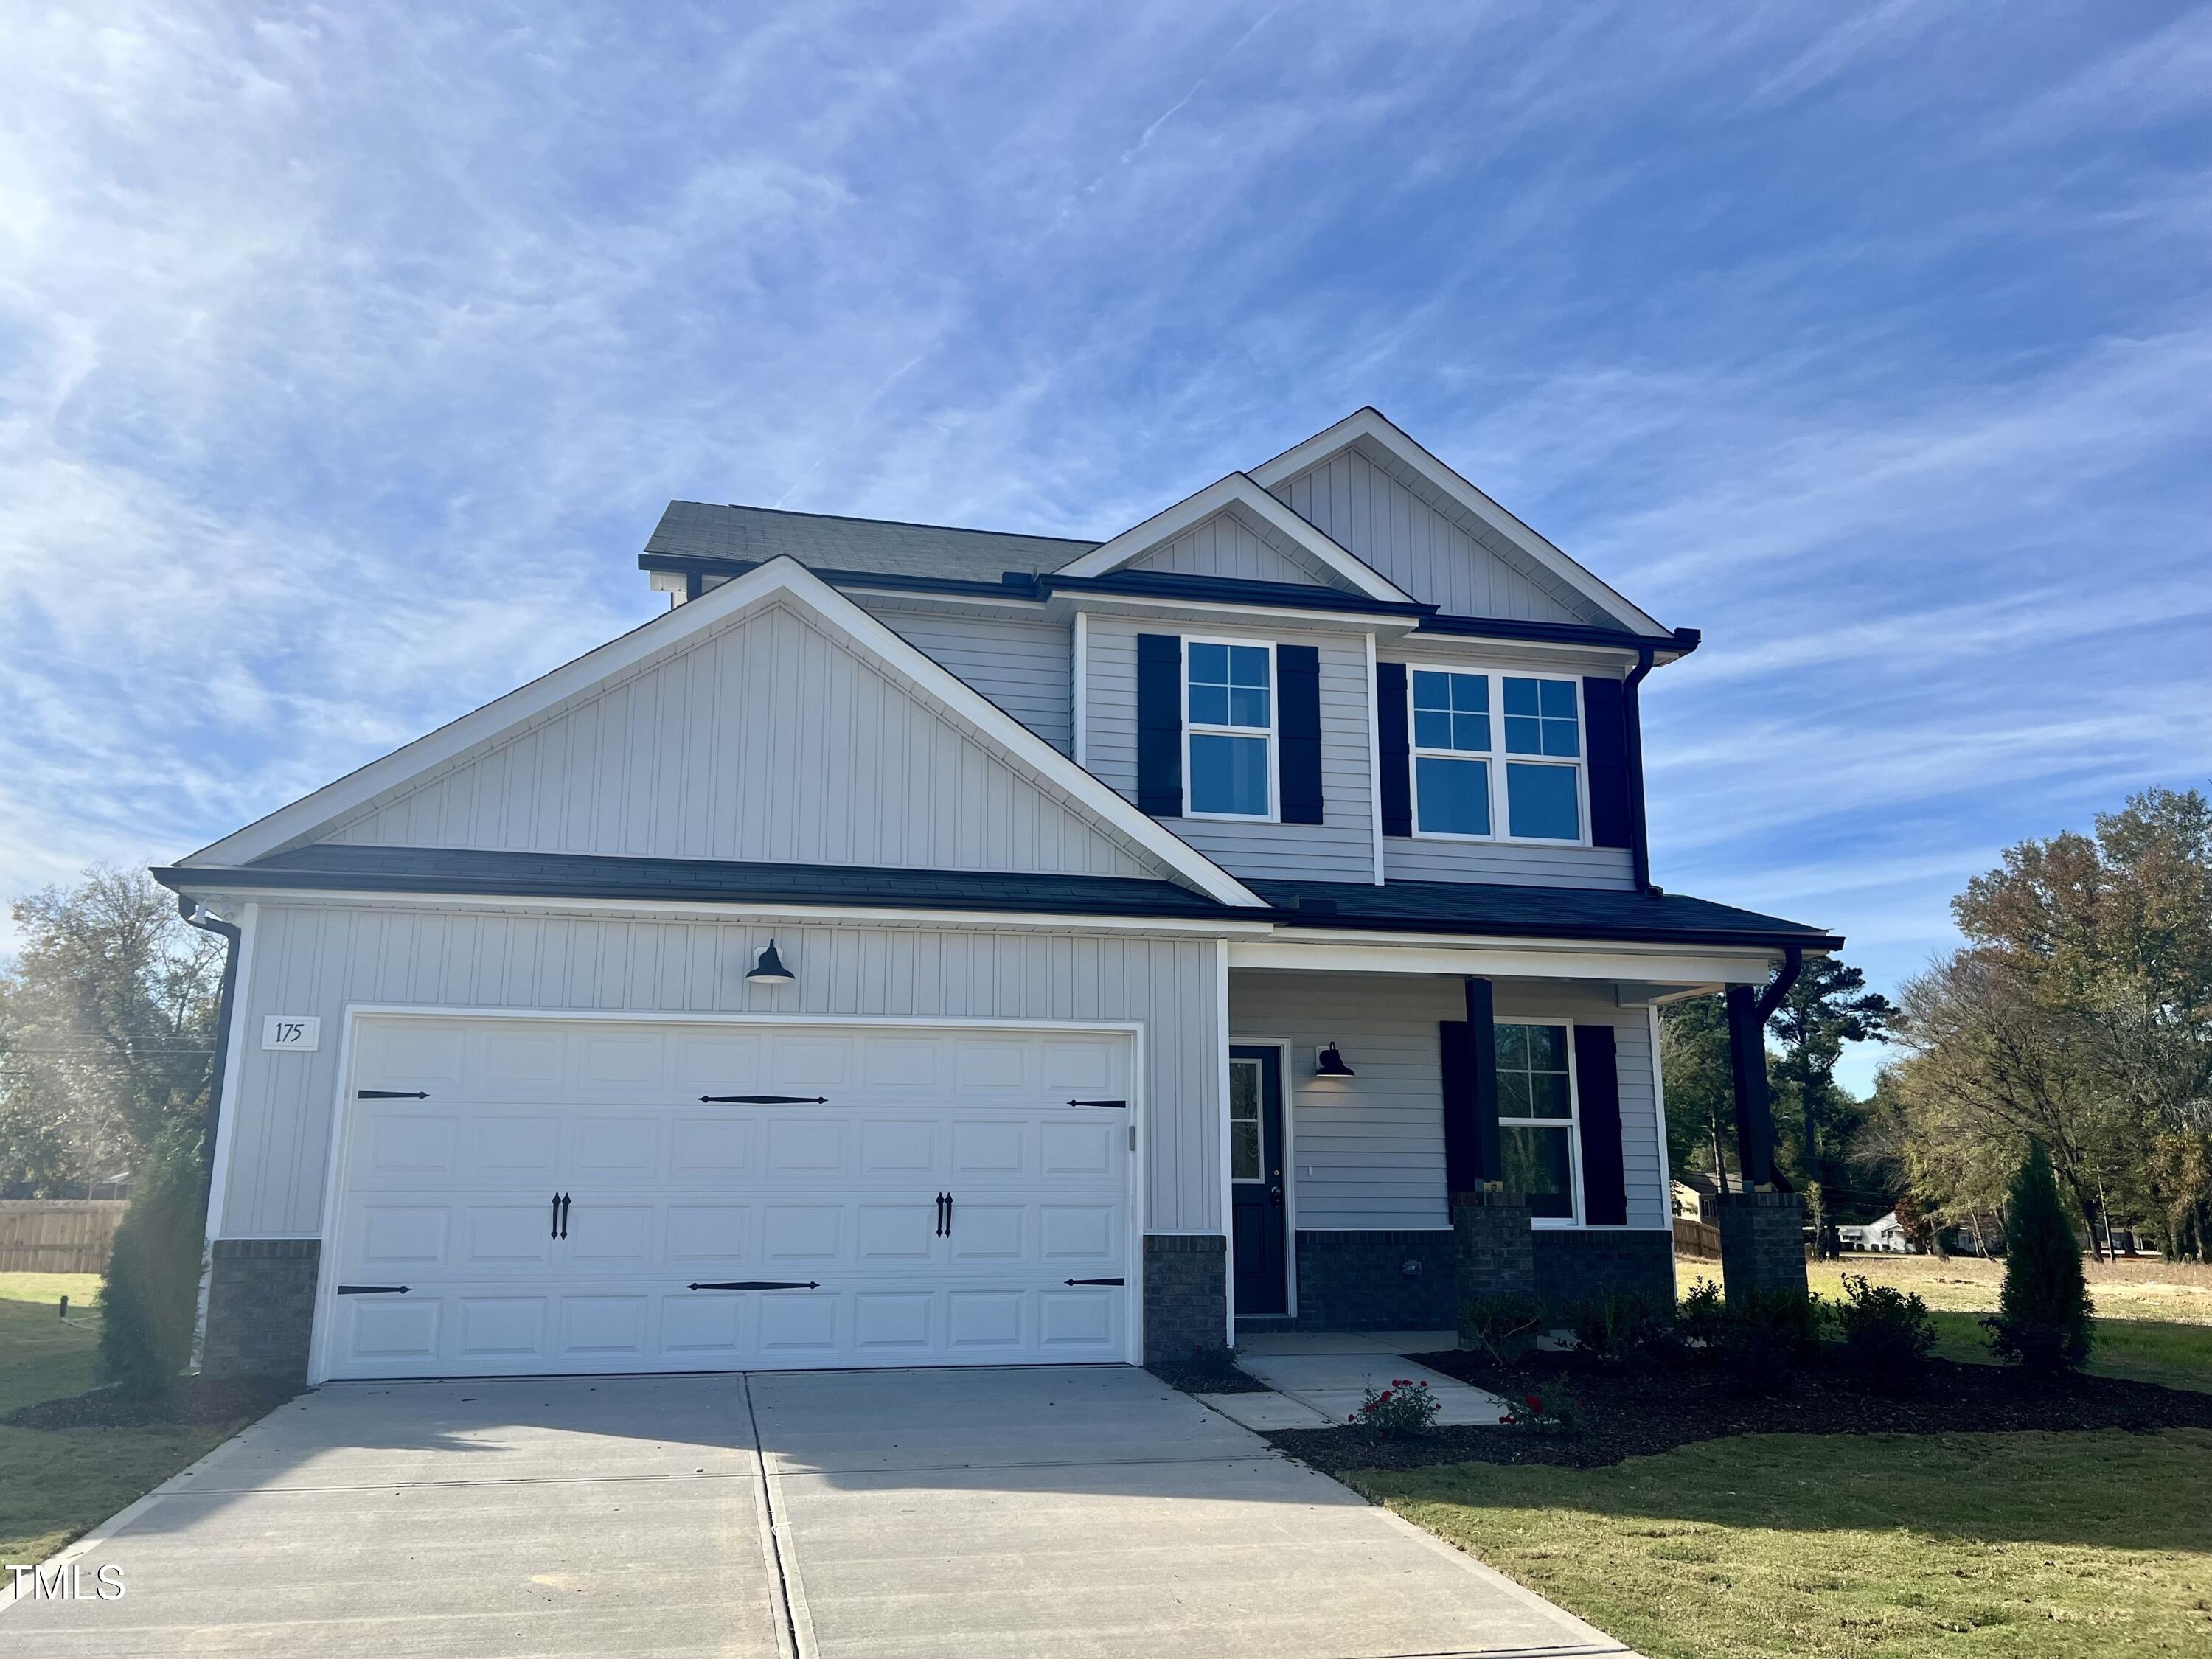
834, 1203
505, 1148
499, 1327
708, 1236
510, 1236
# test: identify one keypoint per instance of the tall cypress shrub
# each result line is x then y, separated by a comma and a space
151, 1298
2042, 1321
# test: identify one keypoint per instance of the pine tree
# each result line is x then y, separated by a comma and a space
2042, 1321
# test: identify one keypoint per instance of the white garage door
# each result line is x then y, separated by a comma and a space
528, 1195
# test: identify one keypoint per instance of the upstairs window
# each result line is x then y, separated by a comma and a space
1230, 718
1464, 787
1451, 720
1536, 1117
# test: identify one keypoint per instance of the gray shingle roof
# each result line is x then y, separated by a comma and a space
819, 540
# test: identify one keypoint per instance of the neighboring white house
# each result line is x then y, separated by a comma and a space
1889, 1235
923, 945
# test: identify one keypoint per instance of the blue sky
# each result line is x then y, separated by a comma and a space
347, 356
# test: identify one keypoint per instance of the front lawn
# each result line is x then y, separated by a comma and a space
1855, 1546
58, 1483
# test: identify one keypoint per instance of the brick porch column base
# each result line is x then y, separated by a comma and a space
1495, 1247
1762, 1242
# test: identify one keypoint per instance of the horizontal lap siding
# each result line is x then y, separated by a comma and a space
1416, 859
1024, 667
1339, 848
1382, 521
769, 739
1367, 1150
315, 962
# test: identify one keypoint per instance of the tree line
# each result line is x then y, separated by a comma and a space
2076, 1017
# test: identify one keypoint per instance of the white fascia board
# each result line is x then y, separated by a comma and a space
1376, 428
783, 576
732, 910
1316, 951
1238, 489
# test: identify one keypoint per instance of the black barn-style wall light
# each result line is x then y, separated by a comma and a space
1329, 1063
768, 969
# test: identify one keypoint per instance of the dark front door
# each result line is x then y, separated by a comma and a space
1256, 1175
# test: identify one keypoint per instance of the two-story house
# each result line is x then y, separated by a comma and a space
933, 946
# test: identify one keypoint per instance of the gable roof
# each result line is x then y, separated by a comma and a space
1370, 430
822, 541
784, 576
1241, 494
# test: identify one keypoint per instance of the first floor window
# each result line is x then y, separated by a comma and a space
1231, 716
1536, 1117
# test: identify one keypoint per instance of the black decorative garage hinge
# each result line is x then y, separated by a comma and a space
757, 1284
374, 1289
763, 1100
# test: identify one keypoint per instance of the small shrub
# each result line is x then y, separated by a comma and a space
1547, 1408
1887, 1334
1501, 1327
2042, 1321
1701, 1318
151, 1297
1403, 1409
1629, 1331
1766, 1335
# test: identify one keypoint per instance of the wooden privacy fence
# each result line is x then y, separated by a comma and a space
1698, 1238
58, 1235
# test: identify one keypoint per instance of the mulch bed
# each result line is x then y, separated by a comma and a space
1639, 1413
194, 1399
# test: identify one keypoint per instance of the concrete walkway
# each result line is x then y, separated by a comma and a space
1084, 1511
1317, 1379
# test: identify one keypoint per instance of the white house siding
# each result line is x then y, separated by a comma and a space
1368, 1150
1341, 848
1022, 667
316, 961
770, 738
1382, 521
1225, 545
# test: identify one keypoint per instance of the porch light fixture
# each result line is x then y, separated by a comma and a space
768, 969
1329, 1063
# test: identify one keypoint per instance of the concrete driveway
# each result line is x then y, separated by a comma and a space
1086, 1510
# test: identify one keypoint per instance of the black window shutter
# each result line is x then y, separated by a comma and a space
1613, 812
1597, 1095
1462, 1157
1159, 724
1396, 782
1298, 777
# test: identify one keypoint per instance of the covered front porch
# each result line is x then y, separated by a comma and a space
1411, 1125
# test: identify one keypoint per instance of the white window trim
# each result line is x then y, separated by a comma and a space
1497, 759
1572, 1124
1196, 728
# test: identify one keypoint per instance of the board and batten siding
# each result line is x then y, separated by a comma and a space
1381, 521
1024, 667
312, 960
1367, 1151
1339, 848
771, 738
1224, 545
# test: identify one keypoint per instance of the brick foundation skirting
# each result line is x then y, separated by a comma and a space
1354, 1281
1186, 1294
261, 1307
1576, 1264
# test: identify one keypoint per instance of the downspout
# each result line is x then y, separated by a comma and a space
228, 931
1632, 707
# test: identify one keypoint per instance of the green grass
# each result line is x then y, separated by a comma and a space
56, 1485
1856, 1546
